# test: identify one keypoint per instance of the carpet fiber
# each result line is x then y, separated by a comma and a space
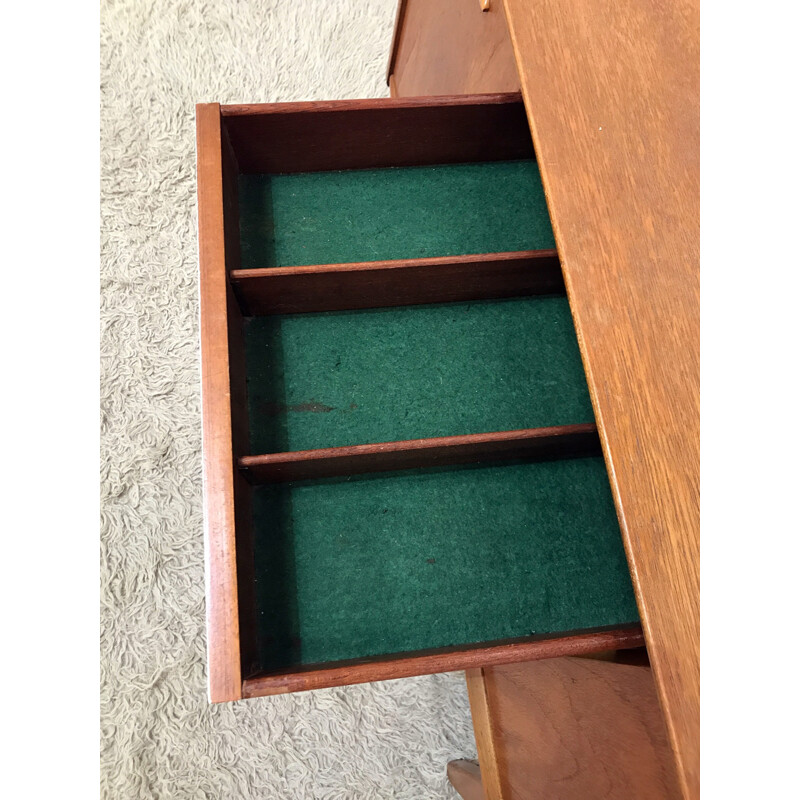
159, 736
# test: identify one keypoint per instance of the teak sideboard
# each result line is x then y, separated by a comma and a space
445, 364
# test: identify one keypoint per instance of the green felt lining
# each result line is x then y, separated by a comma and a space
394, 562
342, 378
381, 214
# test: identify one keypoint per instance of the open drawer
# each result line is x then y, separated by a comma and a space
401, 469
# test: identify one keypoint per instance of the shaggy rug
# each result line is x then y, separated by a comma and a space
159, 736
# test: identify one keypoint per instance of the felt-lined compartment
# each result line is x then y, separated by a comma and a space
360, 566
356, 567
392, 213
342, 378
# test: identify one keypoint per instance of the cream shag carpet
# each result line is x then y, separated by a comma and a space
159, 736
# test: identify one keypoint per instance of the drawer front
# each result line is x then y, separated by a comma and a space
445, 47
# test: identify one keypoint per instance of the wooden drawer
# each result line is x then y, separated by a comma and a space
443, 47
401, 469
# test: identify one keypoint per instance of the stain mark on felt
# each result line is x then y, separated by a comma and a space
312, 406
431, 560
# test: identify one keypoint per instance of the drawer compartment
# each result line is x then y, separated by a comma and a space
377, 375
392, 213
430, 558
401, 469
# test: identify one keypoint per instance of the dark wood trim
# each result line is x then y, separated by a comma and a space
406, 665
238, 410
365, 104
222, 604
230, 201
242, 490
387, 132
376, 284
396, 33
565, 441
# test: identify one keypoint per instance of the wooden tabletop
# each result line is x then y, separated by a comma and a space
612, 93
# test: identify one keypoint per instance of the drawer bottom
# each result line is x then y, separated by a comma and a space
359, 567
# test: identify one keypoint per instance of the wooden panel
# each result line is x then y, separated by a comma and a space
465, 776
222, 607
242, 492
534, 443
484, 735
234, 335
612, 91
571, 728
446, 660
358, 134
376, 284
451, 47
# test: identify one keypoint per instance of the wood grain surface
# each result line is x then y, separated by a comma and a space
450, 659
378, 284
570, 729
612, 92
485, 735
222, 605
564, 441
385, 132
450, 47
242, 490
465, 776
